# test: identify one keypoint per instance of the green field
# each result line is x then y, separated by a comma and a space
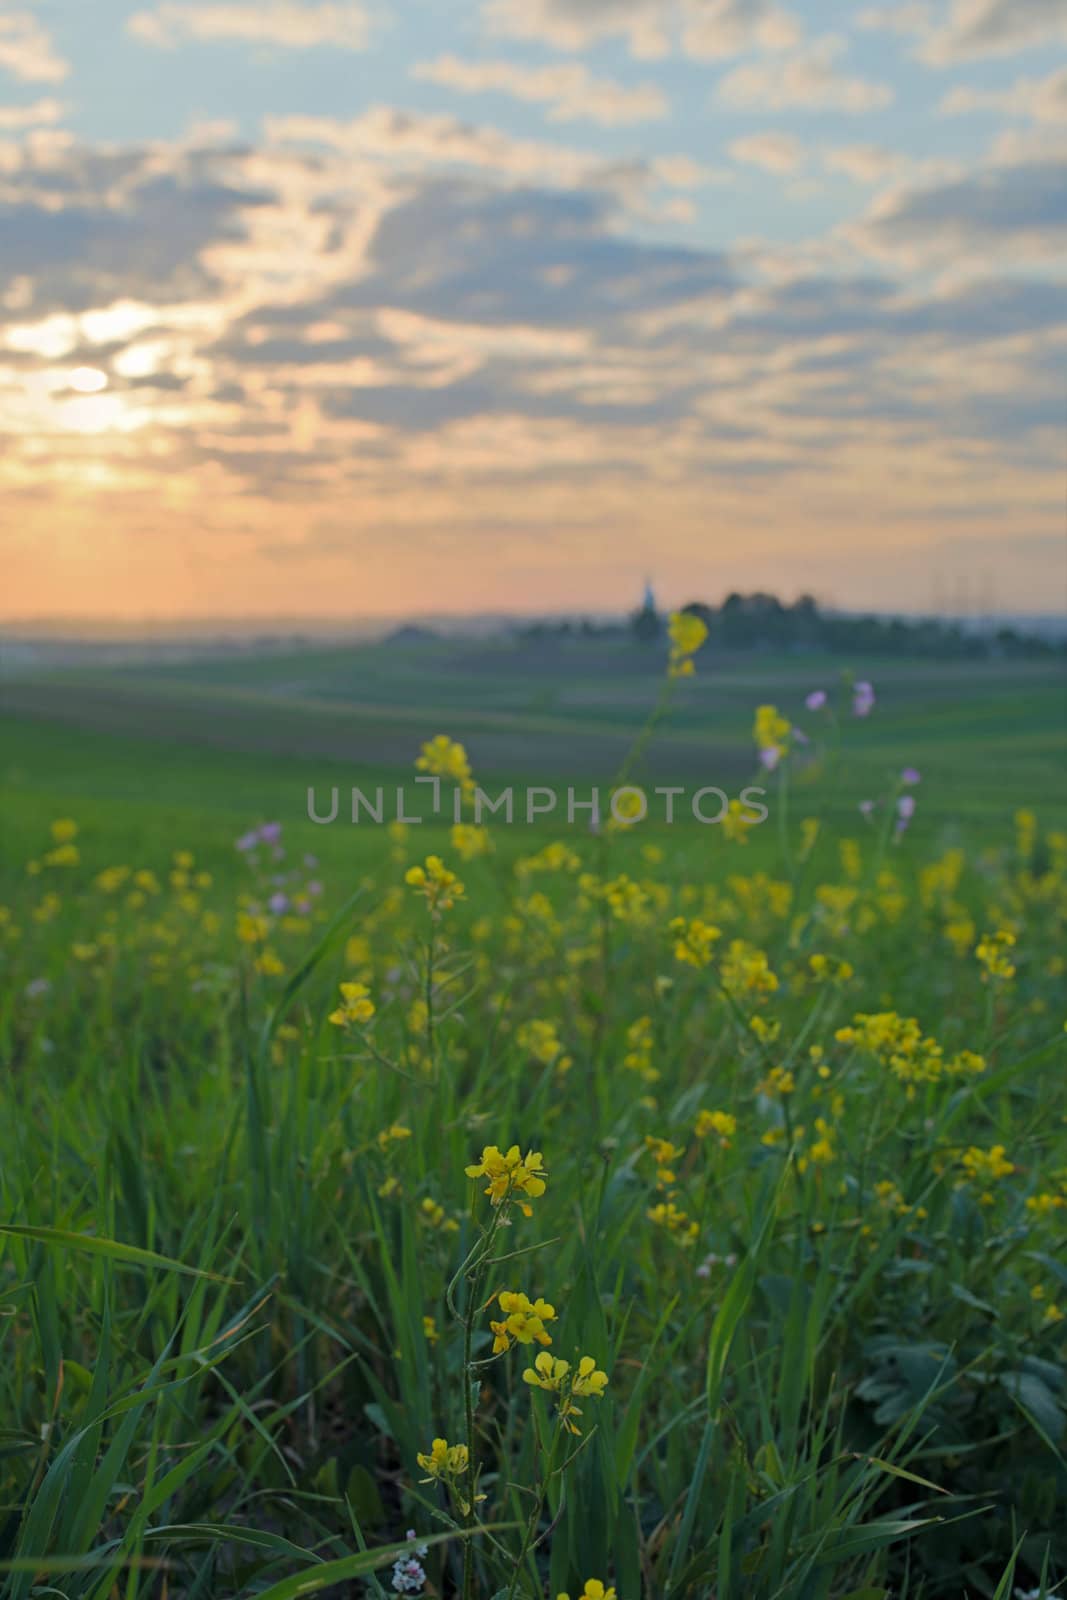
244, 1279
988, 736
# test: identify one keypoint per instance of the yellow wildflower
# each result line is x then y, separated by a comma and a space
443, 757
992, 953
693, 940
443, 1461
440, 886
677, 1223
469, 841
736, 824
830, 969
511, 1175
771, 732
558, 1377
665, 1154
392, 1134
984, 1166
540, 1040
356, 1005
523, 1321
686, 633
717, 1122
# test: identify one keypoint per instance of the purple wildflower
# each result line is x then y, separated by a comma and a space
905, 812
862, 699
816, 700
408, 1576
911, 775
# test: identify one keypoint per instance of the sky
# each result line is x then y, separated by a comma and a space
328, 308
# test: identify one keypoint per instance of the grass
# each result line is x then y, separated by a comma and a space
245, 1281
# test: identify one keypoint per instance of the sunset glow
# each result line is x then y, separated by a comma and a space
507, 306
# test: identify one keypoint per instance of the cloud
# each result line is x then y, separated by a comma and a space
527, 256
805, 81
356, 337
774, 152
1035, 99
708, 30
85, 226
570, 91
977, 28
418, 141
911, 17
291, 24
26, 50
1016, 208
972, 29
722, 28
42, 113
866, 163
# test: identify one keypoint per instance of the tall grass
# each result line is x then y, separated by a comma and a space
226, 1334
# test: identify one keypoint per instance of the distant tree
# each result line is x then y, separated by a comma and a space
646, 625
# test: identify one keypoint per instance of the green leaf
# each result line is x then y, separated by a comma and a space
314, 1579
130, 1255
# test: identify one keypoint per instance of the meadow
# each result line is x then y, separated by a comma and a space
474, 1210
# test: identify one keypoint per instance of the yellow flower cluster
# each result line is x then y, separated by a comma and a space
992, 954
720, 1123
900, 1044
523, 1321
469, 841
771, 730
437, 883
434, 1215
555, 857
985, 1166
678, 1223
512, 1176
694, 940
665, 1154
447, 1464
830, 969
686, 633
558, 1377
541, 1041
638, 1057
356, 1006
443, 757
746, 970
444, 1460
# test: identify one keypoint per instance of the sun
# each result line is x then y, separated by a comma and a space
87, 380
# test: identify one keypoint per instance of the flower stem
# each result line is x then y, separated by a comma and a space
476, 1274
535, 1514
